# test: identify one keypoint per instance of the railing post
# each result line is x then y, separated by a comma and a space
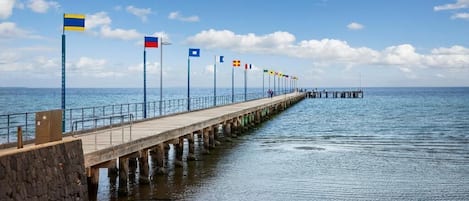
82, 118
122, 125
110, 135
19, 140
71, 120
8, 128
26, 124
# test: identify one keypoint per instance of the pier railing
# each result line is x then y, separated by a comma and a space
83, 118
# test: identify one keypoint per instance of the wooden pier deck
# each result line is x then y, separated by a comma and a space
103, 148
335, 94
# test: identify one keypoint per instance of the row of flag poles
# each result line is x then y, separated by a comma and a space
76, 22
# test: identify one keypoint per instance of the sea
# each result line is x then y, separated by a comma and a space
393, 144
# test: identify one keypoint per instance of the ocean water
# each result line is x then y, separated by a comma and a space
394, 144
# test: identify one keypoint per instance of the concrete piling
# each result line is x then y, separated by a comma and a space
144, 169
123, 176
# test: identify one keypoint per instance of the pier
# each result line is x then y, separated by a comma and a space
124, 145
334, 94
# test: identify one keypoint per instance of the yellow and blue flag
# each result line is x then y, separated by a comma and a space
74, 22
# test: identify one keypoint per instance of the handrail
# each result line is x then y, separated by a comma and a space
84, 115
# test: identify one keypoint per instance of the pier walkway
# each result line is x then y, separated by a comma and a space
118, 145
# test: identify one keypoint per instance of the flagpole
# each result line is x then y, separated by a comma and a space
232, 84
274, 84
245, 82
144, 83
263, 94
269, 82
215, 81
63, 79
278, 85
161, 75
188, 84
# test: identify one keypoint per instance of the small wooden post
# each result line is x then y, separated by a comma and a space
20, 138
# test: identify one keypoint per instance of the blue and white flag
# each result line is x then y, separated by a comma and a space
220, 59
194, 52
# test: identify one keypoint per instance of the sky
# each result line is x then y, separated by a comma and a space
325, 43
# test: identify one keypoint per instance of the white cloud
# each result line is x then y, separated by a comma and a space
178, 16
402, 55
355, 26
332, 51
91, 67
6, 8
41, 6
122, 34
96, 20
458, 5
226, 39
139, 12
47, 63
464, 16
10, 30
454, 50
102, 21
152, 68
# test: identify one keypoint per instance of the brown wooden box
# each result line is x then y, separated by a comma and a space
48, 126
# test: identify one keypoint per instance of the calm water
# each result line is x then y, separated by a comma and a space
395, 144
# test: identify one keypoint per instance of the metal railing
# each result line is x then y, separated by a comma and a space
83, 118
102, 125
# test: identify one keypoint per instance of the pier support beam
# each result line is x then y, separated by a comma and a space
191, 147
112, 173
234, 127
158, 159
179, 148
93, 181
213, 134
143, 167
206, 133
123, 176
227, 129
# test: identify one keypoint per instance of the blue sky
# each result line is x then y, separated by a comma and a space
326, 43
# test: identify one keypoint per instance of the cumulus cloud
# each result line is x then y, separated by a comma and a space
355, 26
139, 12
178, 16
101, 22
330, 51
453, 6
459, 4
91, 67
226, 39
97, 19
464, 16
6, 8
122, 34
41, 6
152, 68
10, 30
